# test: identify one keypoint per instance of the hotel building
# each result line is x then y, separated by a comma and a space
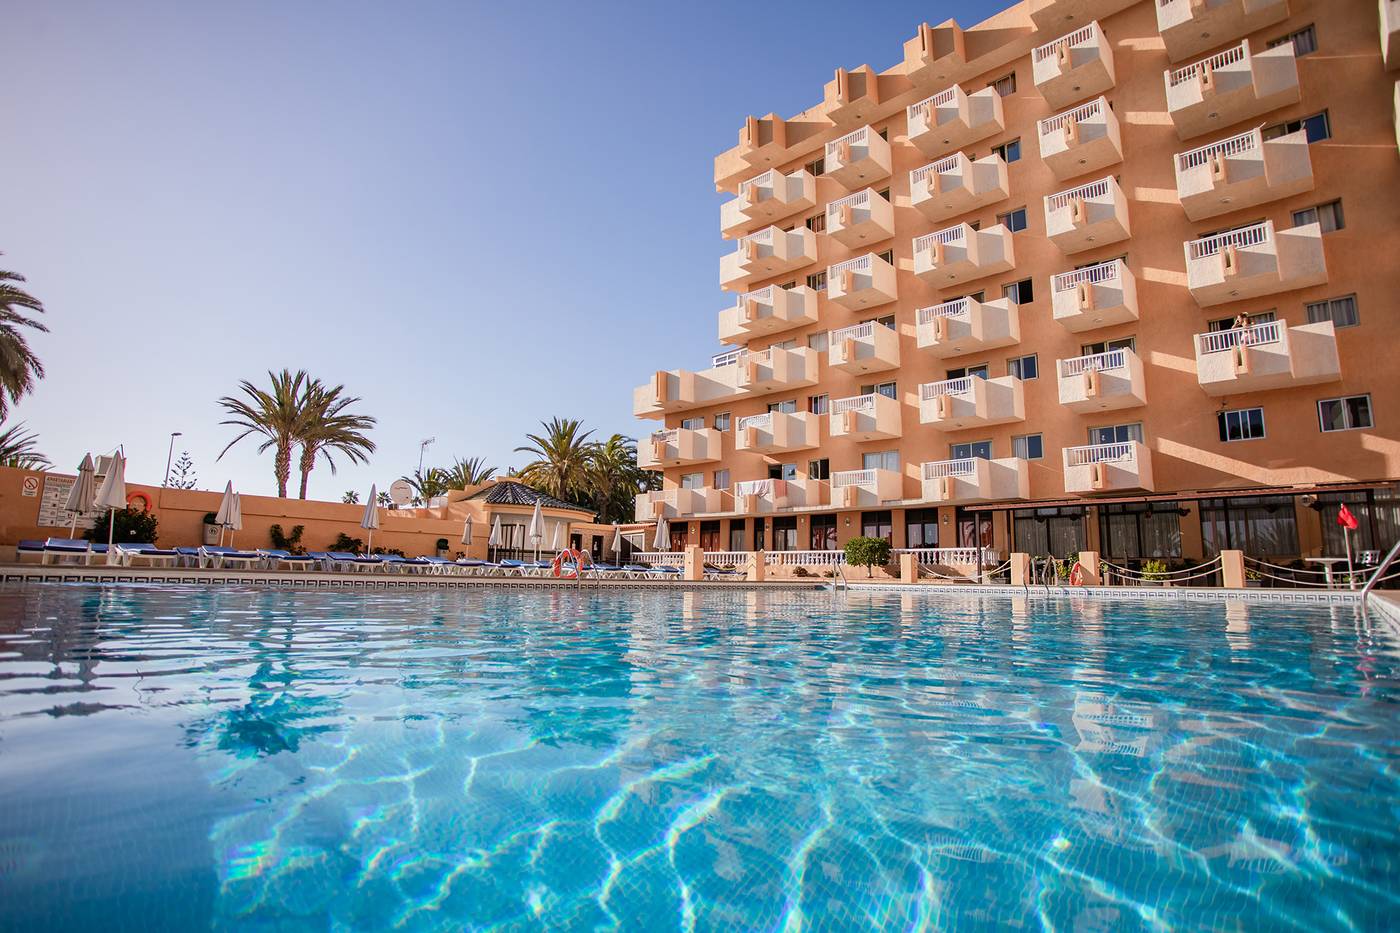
1116, 275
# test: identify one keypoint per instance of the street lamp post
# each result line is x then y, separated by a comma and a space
169, 455
422, 448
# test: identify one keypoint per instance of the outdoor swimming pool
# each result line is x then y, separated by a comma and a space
181, 757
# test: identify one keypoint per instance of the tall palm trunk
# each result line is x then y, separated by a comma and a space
282, 464
308, 463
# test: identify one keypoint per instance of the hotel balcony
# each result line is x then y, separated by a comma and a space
961, 254
860, 219
871, 417
1390, 33
851, 97
935, 54
766, 199
858, 159
1052, 15
1189, 27
777, 432
1242, 171
678, 503
1108, 468
1102, 382
767, 311
1266, 356
1100, 295
954, 118
682, 389
678, 447
1253, 261
757, 496
860, 283
767, 253
1081, 140
954, 482
1231, 86
856, 489
863, 348
972, 402
966, 325
1086, 217
956, 185
772, 370
1074, 67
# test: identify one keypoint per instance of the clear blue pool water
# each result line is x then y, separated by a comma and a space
516, 760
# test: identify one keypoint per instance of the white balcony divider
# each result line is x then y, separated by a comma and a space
767, 179
669, 436
652, 558
854, 403
854, 332
762, 237
958, 307
843, 478
931, 390
728, 358
764, 294
1099, 453
855, 138
947, 556
1253, 336
945, 164
1048, 50
859, 264
1078, 115
1249, 141
1094, 189
1252, 235
1230, 56
764, 421
949, 235
938, 469
1090, 275
859, 199
803, 558
754, 487
1095, 362
927, 104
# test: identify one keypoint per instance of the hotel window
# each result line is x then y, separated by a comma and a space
787, 406
979, 370
692, 480
880, 460
974, 224
1010, 151
883, 193
1138, 530
1028, 447
819, 469
972, 450
782, 471
884, 134
819, 341
886, 321
1022, 292
817, 281
876, 525
1345, 414
786, 285
1228, 323
1005, 85
1318, 126
887, 389
817, 222
1048, 532
1328, 216
758, 529
785, 532
818, 404
789, 344
722, 421
1340, 311
816, 167
1116, 433
1261, 526
1304, 41
1104, 346
736, 535
921, 528
823, 533
1241, 424
692, 424
709, 535
1023, 367
1015, 221
721, 479
887, 256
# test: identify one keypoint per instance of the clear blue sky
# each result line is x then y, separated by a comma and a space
476, 216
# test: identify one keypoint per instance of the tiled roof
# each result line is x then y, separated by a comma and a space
505, 492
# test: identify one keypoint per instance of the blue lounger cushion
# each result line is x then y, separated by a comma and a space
69, 545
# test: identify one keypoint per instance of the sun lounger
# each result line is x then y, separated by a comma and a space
637, 571
152, 556
714, 572
190, 557
221, 557
439, 565
348, 561
76, 549
275, 558
513, 567
31, 548
661, 572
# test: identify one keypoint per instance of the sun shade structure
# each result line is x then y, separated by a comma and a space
535, 532
467, 532
112, 496
235, 516
84, 490
663, 534
495, 540
370, 521
223, 517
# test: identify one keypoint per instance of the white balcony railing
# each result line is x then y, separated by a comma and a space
947, 237
859, 264
1228, 57
665, 437
856, 138
1256, 335
1095, 189
1252, 235
859, 199
922, 108
949, 556
1100, 453
1078, 115
958, 307
754, 487
1110, 271
931, 390
941, 468
1048, 50
766, 180
664, 558
1250, 141
854, 403
945, 164
1095, 362
844, 478
803, 558
854, 332
763, 422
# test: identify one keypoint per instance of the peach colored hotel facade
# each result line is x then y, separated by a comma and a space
1114, 275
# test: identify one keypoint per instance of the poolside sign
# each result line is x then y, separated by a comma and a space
30, 489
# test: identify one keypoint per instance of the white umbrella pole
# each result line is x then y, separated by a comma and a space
111, 528
73, 529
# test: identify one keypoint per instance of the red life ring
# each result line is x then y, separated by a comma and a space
1076, 574
557, 566
141, 497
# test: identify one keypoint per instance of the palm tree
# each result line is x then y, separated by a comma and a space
470, 472
562, 455
17, 449
614, 479
351, 497
277, 415
328, 428
427, 485
20, 369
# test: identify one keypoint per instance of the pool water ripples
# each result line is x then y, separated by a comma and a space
512, 759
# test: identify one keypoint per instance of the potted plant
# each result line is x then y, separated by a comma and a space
211, 528
1154, 572
442, 545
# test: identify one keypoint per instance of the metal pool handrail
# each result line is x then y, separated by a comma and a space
1380, 572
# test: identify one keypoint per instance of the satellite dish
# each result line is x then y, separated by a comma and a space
400, 493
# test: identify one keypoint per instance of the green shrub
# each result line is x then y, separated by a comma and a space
443, 544
344, 542
1154, 570
867, 553
287, 542
131, 526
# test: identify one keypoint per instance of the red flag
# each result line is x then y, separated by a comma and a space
1346, 519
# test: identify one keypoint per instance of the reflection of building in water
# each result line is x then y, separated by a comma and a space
1237, 626
1111, 727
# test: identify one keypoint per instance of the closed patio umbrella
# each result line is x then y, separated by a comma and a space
221, 517
371, 517
663, 534
558, 537
112, 496
495, 539
467, 532
83, 492
535, 532
617, 544
235, 517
